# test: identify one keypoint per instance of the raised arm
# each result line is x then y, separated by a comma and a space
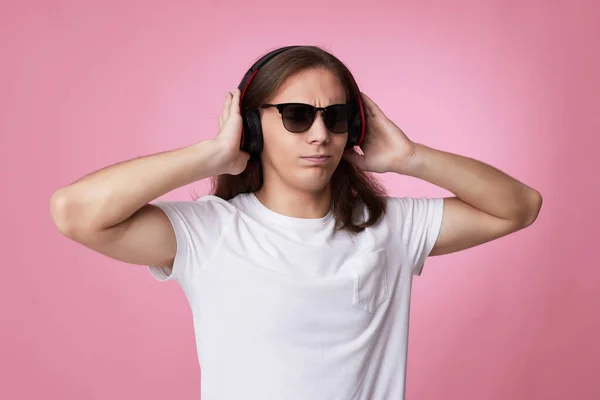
488, 204
108, 210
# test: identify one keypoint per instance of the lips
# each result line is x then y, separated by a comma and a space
317, 158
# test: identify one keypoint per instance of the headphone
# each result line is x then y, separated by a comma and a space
252, 136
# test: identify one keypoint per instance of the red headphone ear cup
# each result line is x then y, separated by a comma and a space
253, 138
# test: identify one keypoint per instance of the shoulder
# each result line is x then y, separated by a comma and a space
414, 213
206, 209
217, 203
409, 206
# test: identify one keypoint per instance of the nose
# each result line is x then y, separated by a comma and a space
318, 132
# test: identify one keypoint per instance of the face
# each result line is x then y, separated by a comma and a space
286, 155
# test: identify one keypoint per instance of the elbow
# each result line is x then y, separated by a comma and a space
533, 208
59, 212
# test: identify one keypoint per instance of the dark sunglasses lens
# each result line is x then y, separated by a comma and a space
297, 118
337, 117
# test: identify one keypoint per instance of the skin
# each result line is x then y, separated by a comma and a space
292, 185
487, 203
109, 210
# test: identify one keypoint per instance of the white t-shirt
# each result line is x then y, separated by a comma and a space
285, 308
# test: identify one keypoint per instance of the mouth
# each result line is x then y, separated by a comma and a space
316, 158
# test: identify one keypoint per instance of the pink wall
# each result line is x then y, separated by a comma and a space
512, 83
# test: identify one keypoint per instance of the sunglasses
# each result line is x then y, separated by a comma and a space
299, 117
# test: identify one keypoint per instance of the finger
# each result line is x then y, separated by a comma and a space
220, 121
226, 106
371, 108
368, 103
235, 102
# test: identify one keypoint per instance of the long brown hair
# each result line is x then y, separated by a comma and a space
351, 187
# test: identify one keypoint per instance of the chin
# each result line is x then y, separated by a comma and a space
311, 182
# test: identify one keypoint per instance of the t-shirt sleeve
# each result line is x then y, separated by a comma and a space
198, 226
417, 221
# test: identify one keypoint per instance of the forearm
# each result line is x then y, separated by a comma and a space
474, 182
109, 196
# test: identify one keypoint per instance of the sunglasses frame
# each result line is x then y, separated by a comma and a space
281, 106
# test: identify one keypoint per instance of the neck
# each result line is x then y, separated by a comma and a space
295, 203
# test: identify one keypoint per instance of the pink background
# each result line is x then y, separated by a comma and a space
515, 84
